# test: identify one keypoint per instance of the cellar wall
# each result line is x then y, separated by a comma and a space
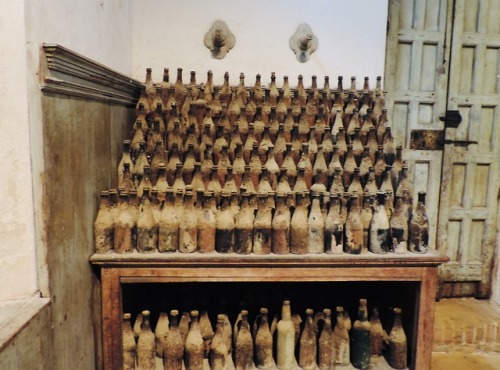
17, 247
31, 348
58, 152
170, 34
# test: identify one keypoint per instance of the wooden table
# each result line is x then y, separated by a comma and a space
119, 269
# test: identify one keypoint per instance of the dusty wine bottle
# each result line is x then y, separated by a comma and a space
397, 343
361, 339
419, 227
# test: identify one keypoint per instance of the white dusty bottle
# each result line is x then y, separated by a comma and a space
285, 352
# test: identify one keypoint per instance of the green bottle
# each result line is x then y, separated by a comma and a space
361, 339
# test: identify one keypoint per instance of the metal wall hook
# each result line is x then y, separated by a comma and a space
219, 39
303, 42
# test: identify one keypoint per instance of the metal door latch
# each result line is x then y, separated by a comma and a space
451, 119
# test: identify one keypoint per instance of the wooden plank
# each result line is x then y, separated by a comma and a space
111, 318
425, 330
451, 271
267, 274
291, 261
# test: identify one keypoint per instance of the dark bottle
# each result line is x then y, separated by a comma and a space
419, 227
307, 344
174, 347
405, 183
379, 165
244, 227
243, 345
126, 182
399, 227
361, 338
340, 338
207, 332
389, 146
398, 348
207, 224
225, 227
376, 333
262, 225
366, 218
298, 226
281, 224
326, 359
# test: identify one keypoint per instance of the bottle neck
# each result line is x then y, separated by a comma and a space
286, 313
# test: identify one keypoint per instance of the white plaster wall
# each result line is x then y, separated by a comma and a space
97, 29
169, 33
17, 248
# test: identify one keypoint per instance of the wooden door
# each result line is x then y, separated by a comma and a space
470, 186
445, 54
416, 82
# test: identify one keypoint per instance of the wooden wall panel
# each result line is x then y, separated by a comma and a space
87, 108
81, 151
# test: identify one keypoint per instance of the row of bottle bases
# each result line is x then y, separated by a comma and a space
275, 223
188, 341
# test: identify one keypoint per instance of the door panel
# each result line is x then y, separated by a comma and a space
469, 190
425, 47
416, 81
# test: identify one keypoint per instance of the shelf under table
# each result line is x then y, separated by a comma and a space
117, 269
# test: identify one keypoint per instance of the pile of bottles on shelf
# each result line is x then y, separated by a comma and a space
187, 341
261, 170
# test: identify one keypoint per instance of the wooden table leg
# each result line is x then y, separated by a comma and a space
111, 318
426, 303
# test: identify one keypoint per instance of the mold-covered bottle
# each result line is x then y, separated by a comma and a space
419, 227
104, 226
398, 347
361, 338
146, 345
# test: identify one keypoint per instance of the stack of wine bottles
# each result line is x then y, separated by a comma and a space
285, 343
261, 170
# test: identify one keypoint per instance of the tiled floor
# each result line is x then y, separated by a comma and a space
466, 335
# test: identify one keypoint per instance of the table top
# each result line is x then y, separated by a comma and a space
177, 259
